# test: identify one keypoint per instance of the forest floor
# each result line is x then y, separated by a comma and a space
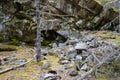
32, 70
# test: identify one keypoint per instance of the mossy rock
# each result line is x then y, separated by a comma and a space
4, 47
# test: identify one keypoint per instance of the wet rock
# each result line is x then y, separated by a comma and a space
73, 73
81, 46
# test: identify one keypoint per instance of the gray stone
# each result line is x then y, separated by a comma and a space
85, 53
21, 61
72, 42
84, 67
63, 60
50, 76
65, 33
62, 45
71, 52
46, 66
72, 55
87, 39
78, 57
79, 22
81, 46
73, 73
54, 45
93, 44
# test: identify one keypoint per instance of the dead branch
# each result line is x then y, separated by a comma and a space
99, 64
12, 68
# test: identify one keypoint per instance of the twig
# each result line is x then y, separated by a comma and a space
95, 57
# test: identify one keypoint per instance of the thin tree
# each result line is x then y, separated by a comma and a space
38, 39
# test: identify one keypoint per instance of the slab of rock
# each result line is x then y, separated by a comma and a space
81, 46
65, 33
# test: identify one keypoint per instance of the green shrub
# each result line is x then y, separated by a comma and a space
15, 42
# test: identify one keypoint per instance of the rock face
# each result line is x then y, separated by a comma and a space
93, 8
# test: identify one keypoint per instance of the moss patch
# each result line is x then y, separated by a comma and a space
4, 47
107, 36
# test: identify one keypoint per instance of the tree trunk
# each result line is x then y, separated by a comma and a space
38, 40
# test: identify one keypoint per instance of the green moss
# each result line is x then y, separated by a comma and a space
7, 47
46, 42
118, 41
102, 1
